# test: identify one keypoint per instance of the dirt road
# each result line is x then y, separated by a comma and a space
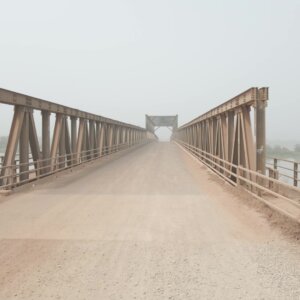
152, 224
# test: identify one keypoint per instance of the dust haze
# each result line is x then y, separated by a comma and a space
125, 59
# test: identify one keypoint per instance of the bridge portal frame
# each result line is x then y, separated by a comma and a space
161, 121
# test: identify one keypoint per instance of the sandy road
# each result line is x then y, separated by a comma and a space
152, 224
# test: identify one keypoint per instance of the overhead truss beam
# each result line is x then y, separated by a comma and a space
153, 122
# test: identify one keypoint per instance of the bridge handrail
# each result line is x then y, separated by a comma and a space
252, 181
240, 167
61, 162
32, 162
284, 159
295, 169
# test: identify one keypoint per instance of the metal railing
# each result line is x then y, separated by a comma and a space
45, 167
285, 168
260, 186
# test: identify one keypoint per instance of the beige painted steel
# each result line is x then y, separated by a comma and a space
153, 122
14, 98
226, 131
96, 136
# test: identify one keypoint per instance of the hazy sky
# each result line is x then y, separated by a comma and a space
122, 58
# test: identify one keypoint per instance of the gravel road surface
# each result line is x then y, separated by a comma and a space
152, 224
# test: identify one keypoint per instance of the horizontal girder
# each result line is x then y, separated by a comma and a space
14, 98
161, 121
248, 98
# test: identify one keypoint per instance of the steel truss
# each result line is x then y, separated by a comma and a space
78, 137
227, 133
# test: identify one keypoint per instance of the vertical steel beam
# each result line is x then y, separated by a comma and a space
230, 133
24, 148
12, 144
102, 140
224, 134
127, 136
260, 119
62, 144
55, 141
134, 136
86, 142
34, 143
235, 145
45, 141
123, 135
68, 145
92, 140
110, 137
239, 136
73, 138
249, 146
131, 136
118, 136
80, 140
98, 135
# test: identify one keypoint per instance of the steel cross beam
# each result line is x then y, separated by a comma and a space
91, 137
226, 131
161, 121
14, 98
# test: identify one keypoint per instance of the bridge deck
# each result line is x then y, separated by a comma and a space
152, 224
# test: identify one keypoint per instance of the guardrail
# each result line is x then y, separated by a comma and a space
226, 141
258, 185
39, 169
289, 170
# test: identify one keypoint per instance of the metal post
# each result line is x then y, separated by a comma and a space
11, 148
260, 118
55, 140
259, 181
24, 149
92, 139
102, 140
79, 144
275, 163
45, 141
117, 138
97, 142
62, 144
123, 136
73, 138
110, 138
238, 174
295, 173
128, 137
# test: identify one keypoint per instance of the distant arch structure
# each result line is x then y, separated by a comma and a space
155, 122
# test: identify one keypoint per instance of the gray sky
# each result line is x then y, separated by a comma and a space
122, 58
